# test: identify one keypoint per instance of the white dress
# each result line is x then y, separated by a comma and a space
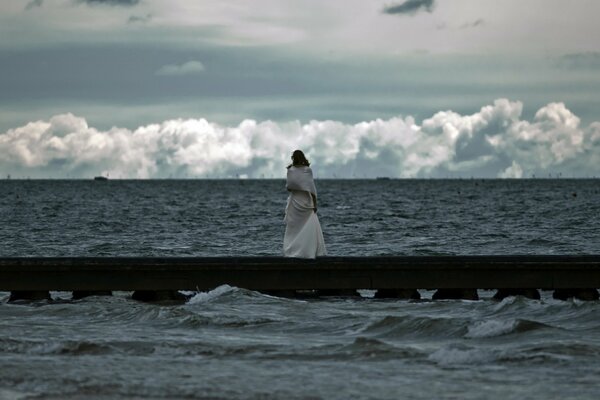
303, 235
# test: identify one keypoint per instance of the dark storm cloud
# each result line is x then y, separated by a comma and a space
410, 7
588, 60
34, 4
127, 3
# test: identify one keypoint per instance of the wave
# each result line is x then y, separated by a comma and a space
571, 314
562, 349
364, 347
457, 355
7, 394
518, 304
393, 326
235, 293
16, 346
214, 348
494, 327
203, 297
189, 318
542, 242
555, 352
74, 347
361, 348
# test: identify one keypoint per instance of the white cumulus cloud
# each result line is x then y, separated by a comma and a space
514, 171
493, 142
187, 68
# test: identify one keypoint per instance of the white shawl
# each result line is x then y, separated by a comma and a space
301, 178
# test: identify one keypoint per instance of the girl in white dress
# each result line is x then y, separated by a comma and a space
303, 235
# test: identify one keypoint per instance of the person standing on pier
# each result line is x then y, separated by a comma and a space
303, 235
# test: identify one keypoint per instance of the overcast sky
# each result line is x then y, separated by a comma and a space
183, 88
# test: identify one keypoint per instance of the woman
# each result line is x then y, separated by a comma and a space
303, 236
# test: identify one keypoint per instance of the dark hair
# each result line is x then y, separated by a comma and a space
298, 159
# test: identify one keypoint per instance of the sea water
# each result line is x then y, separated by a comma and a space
232, 343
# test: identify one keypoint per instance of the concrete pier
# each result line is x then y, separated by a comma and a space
279, 273
29, 295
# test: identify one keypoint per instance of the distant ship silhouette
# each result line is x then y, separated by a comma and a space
100, 178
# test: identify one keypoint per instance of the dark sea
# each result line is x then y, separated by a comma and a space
233, 343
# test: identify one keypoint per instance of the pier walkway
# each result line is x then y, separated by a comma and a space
279, 273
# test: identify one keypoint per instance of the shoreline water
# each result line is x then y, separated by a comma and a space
231, 343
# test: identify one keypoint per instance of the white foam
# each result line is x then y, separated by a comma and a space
203, 297
342, 207
490, 328
504, 302
368, 293
451, 356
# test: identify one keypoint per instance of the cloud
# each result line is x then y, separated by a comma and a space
514, 171
126, 3
139, 19
554, 138
492, 142
33, 4
473, 24
410, 7
587, 60
187, 68
466, 25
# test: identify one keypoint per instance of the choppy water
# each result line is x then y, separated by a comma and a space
236, 344
232, 343
238, 217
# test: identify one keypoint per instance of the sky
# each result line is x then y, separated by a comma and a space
226, 89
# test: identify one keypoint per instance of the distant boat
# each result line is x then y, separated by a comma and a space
100, 178
383, 178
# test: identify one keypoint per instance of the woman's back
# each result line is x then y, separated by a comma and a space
303, 235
